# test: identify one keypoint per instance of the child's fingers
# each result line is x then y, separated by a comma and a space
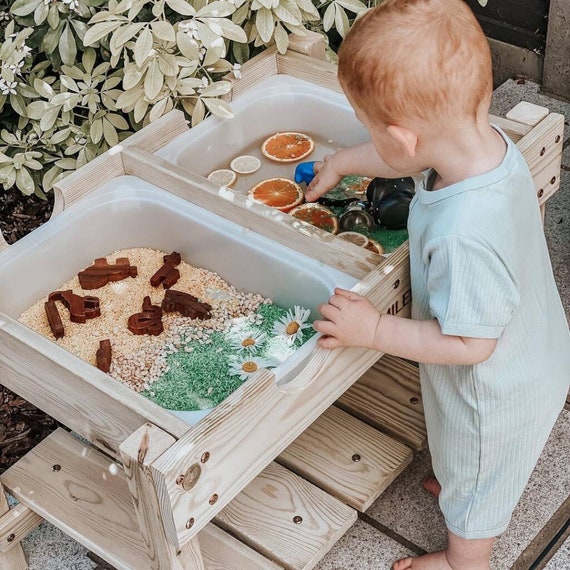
328, 311
339, 302
324, 327
348, 294
329, 342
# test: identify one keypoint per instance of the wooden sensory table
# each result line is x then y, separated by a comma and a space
274, 475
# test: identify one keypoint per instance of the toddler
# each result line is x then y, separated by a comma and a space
487, 327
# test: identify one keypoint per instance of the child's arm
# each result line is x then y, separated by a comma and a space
353, 321
361, 160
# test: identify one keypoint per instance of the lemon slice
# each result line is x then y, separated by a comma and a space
245, 164
355, 238
223, 177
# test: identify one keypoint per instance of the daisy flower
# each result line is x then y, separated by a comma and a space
246, 340
244, 367
292, 324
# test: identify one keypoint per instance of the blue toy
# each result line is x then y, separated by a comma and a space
304, 172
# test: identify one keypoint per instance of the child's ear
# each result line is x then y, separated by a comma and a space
407, 139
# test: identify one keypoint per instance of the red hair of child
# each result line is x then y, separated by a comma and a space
417, 59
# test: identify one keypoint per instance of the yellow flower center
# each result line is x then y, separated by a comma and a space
248, 341
292, 327
249, 366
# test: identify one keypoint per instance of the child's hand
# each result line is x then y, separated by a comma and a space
326, 178
351, 321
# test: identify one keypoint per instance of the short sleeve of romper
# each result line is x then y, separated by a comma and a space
471, 292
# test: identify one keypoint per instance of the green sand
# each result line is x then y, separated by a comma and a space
200, 379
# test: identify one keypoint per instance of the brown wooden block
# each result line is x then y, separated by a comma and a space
186, 304
103, 355
101, 273
80, 308
54, 319
149, 321
167, 275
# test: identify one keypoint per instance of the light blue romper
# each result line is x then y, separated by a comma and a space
480, 266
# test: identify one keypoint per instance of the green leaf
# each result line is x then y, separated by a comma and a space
167, 64
216, 89
60, 136
53, 17
25, 182
88, 59
74, 73
158, 109
153, 81
281, 38
133, 76
41, 13
218, 9
264, 24
124, 34
187, 47
141, 107
219, 108
352, 5
198, 113
66, 163
143, 45
67, 45
213, 55
227, 29
341, 21
118, 121
18, 104
36, 109
288, 12
50, 178
24, 7
49, 118
50, 41
110, 133
181, 7
69, 82
482, 2
127, 100
8, 176
34, 164
43, 88
163, 31
96, 130
240, 51
99, 31
328, 18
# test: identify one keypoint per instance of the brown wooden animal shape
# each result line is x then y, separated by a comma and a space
186, 304
101, 272
103, 355
168, 275
149, 321
80, 308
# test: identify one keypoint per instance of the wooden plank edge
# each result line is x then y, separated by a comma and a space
15, 525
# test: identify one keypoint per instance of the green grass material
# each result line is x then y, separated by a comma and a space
200, 379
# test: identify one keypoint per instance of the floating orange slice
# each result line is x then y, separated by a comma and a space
223, 177
288, 147
316, 215
374, 246
280, 193
355, 237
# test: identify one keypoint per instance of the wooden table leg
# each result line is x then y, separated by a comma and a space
14, 558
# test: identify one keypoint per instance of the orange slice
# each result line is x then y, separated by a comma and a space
288, 147
316, 215
355, 238
223, 177
374, 246
280, 193
245, 164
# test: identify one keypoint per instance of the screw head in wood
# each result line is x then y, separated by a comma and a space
190, 522
414, 400
356, 458
542, 151
396, 284
553, 180
557, 139
540, 193
56, 467
180, 480
11, 537
213, 499
205, 456
297, 519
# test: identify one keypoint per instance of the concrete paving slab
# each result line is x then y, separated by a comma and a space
411, 512
511, 92
363, 548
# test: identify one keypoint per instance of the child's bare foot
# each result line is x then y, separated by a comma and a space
435, 561
431, 484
